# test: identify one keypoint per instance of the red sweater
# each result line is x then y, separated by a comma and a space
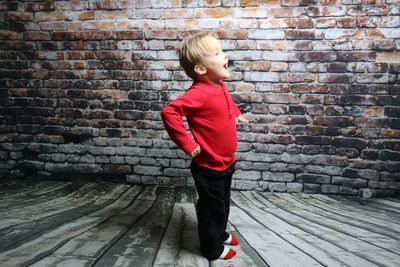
211, 114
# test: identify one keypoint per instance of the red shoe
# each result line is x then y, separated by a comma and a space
227, 254
232, 240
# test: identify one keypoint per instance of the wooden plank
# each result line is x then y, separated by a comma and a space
53, 261
351, 213
373, 226
27, 196
59, 205
317, 217
355, 207
180, 245
31, 251
185, 194
274, 249
14, 235
93, 243
326, 253
41, 204
7, 222
16, 188
361, 248
246, 255
138, 247
390, 203
382, 205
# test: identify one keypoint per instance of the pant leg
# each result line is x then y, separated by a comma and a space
212, 208
227, 198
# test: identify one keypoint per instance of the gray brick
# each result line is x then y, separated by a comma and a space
278, 176
135, 179
313, 178
329, 189
245, 185
148, 180
179, 163
277, 187
131, 151
294, 187
102, 159
147, 170
117, 160
312, 188
87, 159
102, 151
164, 181
132, 160
117, 169
177, 172
167, 153
249, 175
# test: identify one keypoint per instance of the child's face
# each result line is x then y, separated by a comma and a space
216, 64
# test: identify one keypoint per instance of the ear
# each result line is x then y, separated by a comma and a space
200, 70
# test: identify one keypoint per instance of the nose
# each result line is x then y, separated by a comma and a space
226, 55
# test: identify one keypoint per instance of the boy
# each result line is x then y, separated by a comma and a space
212, 118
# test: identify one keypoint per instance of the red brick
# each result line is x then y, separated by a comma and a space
290, 2
98, 35
302, 35
390, 134
309, 88
388, 56
215, 12
18, 16
373, 111
232, 34
317, 56
335, 78
297, 78
78, 45
334, 121
293, 119
286, 12
260, 108
50, 16
356, 56
87, 15
279, 66
36, 36
249, 2
304, 23
334, 111
383, 44
346, 22
281, 98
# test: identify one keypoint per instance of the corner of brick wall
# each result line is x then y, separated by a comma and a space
82, 84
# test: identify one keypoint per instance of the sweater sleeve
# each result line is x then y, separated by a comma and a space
172, 118
236, 110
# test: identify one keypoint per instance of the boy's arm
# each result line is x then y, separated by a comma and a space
238, 115
172, 118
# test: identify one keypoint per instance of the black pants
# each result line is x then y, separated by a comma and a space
213, 188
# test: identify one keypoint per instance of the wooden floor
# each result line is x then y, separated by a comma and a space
102, 224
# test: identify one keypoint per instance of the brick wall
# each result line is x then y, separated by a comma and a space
82, 84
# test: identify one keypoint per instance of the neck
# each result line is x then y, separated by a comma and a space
211, 82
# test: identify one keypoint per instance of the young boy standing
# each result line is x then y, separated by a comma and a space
212, 117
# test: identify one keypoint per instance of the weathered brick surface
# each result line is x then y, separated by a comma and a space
82, 84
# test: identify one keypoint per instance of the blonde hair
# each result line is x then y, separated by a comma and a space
192, 50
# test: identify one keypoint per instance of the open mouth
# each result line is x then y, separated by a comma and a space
226, 66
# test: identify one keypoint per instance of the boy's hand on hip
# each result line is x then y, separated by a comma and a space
195, 152
241, 119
